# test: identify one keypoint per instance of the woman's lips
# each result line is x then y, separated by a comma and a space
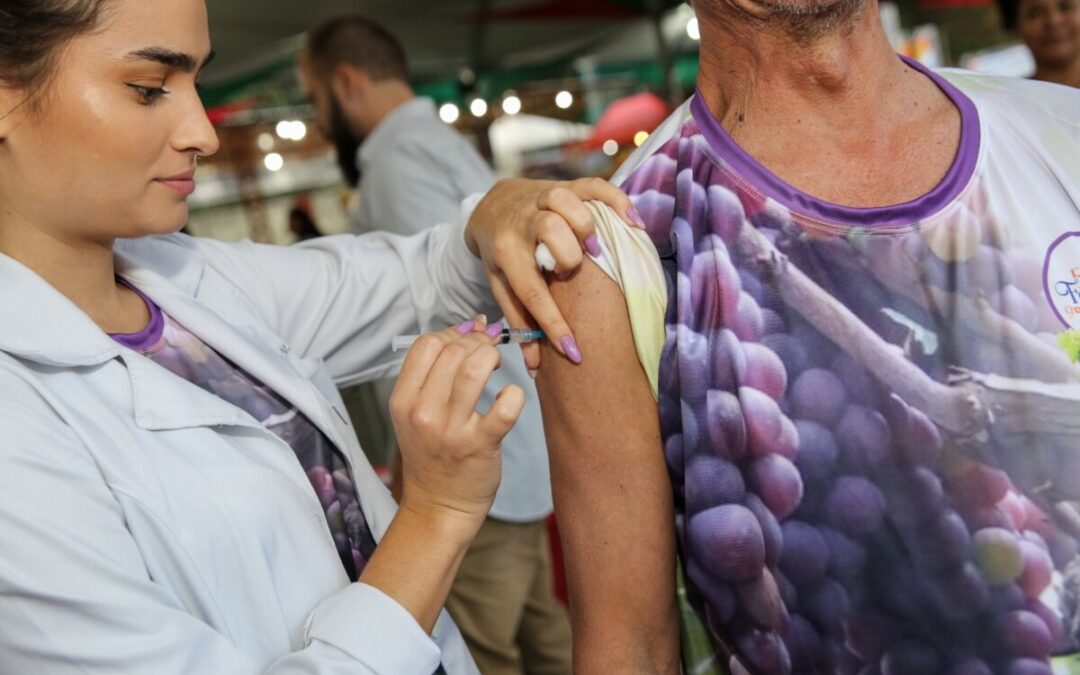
183, 184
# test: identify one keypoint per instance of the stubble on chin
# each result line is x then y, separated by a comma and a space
804, 21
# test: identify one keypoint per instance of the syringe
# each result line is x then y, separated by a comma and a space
508, 336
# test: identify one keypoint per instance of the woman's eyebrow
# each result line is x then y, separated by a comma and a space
169, 57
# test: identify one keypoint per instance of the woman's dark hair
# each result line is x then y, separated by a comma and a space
32, 33
1010, 13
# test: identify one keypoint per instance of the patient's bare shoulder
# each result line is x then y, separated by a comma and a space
609, 384
594, 306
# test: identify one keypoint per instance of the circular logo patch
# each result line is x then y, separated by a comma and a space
1061, 279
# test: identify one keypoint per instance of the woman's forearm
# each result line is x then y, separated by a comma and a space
417, 560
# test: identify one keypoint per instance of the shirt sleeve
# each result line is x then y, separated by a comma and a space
76, 597
629, 257
344, 298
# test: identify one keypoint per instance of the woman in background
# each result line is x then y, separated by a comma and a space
1051, 30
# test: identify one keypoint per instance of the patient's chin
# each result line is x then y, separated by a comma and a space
801, 19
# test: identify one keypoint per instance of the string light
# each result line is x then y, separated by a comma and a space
265, 141
292, 130
274, 162
449, 113
511, 105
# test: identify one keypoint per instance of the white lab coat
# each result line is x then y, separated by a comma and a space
149, 527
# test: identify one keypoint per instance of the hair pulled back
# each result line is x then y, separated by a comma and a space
32, 36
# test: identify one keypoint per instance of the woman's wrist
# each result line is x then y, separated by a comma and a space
448, 524
419, 556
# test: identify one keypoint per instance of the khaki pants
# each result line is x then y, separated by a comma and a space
504, 602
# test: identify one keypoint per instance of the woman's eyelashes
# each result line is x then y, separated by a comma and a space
148, 95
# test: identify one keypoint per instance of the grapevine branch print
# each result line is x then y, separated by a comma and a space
971, 408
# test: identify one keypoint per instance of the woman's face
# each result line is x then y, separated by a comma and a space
1051, 29
110, 151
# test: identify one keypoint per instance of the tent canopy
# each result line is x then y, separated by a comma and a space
255, 39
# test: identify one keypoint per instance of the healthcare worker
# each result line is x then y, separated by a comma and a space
180, 489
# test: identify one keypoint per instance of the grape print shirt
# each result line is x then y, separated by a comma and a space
869, 414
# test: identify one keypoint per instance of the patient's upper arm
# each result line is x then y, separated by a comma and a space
612, 493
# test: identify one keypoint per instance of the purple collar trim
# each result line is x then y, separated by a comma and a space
957, 178
148, 336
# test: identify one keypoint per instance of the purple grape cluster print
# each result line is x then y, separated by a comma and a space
826, 524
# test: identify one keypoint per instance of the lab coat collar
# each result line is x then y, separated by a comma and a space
255, 350
39, 324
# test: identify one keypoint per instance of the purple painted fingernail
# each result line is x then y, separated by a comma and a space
466, 328
494, 329
570, 348
563, 276
593, 246
635, 217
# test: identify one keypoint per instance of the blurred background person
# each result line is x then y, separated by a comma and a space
1051, 30
302, 224
415, 171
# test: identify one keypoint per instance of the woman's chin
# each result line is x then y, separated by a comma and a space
159, 227
173, 221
